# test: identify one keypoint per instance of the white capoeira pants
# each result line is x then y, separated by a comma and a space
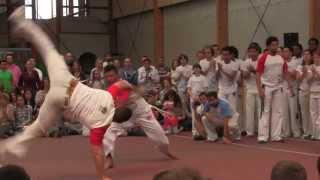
291, 125
146, 121
315, 115
253, 112
272, 115
51, 110
304, 103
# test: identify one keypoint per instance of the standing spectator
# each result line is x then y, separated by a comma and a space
290, 124
182, 76
117, 63
107, 59
304, 74
33, 62
97, 81
271, 71
69, 59
98, 68
297, 53
128, 72
216, 50
164, 71
313, 44
29, 98
14, 69
41, 94
76, 71
173, 72
29, 79
166, 86
6, 78
148, 76
227, 78
315, 97
22, 113
196, 85
211, 73
5, 127
253, 103
200, 55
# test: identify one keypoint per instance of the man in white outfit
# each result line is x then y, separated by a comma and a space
227, 83
142, 116
271, 72
291, 125
67, 96
253, 103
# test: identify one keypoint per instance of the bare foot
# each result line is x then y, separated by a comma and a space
226, 140
108, 163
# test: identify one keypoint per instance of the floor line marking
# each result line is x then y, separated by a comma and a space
262, 148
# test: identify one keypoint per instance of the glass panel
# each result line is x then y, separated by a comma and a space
75, 2
28, 12
28, 2
76, 12
65, 11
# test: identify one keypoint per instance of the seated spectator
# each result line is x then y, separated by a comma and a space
179, 174
29, 79
164, 71
218, 113
148, 76
117, 63
40, 96
22, 114
76, 71
98, 68
29, 98
69, 59
6, 78
97, 81
128, 72
173, 72
33, 62
13, 172
288, 170
171, 116
5, 125
166, 86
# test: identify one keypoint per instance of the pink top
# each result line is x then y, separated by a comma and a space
16, 72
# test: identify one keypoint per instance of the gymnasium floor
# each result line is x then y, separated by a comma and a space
68, 158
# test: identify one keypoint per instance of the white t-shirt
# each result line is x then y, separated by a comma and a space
315, 84
226, 85
299, 60
198, 84
205, 65
40, 74
183, 73
304, 84
292, 66
250, 82
92, 107
273, 72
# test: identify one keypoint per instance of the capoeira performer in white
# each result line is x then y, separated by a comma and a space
93, 108
142, 116
271, 72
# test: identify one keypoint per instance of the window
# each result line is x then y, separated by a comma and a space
46, 9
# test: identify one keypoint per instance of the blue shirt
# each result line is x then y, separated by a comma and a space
222, 111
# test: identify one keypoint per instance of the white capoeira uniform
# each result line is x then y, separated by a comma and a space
291, 125
181, 76
315, 105
272, 69
228, 90
142, 116
304, 98
91, 107
253, 101
197, 84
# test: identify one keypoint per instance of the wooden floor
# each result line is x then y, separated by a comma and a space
69, 158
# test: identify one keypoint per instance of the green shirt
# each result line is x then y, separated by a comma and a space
6, 81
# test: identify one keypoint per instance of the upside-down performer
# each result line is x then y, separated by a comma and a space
91, 107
